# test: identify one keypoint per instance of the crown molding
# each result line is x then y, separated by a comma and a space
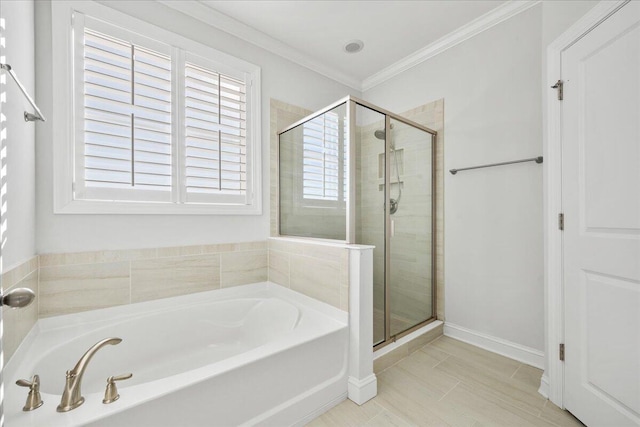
210, 16
473, 28
214, 18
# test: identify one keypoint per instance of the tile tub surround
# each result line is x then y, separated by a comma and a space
316, 269
17, 323
75, 282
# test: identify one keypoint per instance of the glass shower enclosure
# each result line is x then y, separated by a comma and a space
356, 173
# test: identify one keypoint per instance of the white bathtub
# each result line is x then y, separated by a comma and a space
255, 354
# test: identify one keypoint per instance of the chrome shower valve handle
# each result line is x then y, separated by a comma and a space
111, 393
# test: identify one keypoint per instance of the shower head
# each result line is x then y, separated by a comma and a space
381, 134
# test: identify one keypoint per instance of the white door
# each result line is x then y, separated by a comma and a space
601, 203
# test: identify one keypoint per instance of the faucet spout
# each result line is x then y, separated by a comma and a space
72, 394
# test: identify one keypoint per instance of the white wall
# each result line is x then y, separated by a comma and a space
281, 79
492, 89
19, 218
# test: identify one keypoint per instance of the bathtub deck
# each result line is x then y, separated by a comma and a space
448, 382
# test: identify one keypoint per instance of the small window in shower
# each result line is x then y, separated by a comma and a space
313, 177
323, 153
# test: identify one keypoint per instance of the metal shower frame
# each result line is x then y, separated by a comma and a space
351, 103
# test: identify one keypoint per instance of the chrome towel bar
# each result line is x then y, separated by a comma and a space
533, 159
28, 117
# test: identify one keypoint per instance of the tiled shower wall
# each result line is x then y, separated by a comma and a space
411, 243
431, 115
410, 249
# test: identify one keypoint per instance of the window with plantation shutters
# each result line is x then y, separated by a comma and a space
127, 139
324, 154
215, 138
160, 128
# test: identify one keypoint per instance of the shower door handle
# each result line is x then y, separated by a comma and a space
393, 228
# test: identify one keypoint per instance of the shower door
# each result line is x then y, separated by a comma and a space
409, 267
394, 213
369, 204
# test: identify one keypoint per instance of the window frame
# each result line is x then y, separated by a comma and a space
65, 16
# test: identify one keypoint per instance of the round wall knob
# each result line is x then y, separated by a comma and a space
18, 298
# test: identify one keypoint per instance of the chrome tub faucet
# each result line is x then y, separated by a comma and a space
72, 395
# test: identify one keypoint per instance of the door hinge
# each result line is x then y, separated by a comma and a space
562, 352
560, 86
560, 221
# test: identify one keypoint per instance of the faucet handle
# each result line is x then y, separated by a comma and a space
34, 401
111, 393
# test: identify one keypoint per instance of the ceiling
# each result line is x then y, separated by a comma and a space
397, 34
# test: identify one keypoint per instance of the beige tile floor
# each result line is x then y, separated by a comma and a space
450, 383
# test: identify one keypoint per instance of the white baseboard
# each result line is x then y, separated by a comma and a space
544, 386
519, 352
360, 391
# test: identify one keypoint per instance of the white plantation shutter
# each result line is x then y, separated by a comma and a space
157, 123
215, 135
125, 143
323, 159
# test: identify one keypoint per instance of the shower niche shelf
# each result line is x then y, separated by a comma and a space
393, 185
400, 153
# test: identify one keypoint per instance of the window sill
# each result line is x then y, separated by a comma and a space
92, 207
